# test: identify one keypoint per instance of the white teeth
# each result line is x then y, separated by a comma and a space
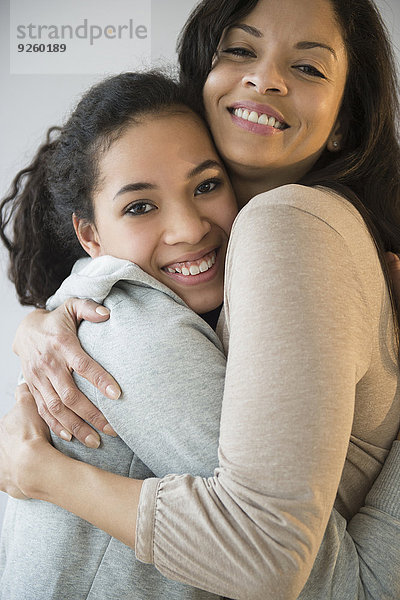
254, 117
194, 269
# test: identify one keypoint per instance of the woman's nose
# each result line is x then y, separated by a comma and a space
266, 78
186, 226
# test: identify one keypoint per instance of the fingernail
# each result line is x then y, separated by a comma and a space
108, 430
65, 435
92, 441
102, 310
113, 392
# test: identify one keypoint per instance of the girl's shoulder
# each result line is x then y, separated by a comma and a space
101, 278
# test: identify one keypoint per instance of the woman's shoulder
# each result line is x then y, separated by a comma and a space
319, 203
315, 200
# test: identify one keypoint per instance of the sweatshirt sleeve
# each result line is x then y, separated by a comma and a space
171, 368
299, 342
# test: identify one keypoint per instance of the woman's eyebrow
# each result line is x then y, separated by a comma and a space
300, 45
134, 187
310, 45
207, 164
247, 28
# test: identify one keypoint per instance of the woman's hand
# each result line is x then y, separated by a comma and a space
30, 467
49, 349
393, 263
22, 434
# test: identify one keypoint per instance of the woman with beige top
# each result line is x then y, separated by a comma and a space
302, 111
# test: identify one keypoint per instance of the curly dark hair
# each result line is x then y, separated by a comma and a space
63, 175
366, 170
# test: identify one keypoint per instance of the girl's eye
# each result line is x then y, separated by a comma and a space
310, 70
240, 52
140, 208
207, 186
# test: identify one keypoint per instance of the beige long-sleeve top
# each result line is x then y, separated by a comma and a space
310, 408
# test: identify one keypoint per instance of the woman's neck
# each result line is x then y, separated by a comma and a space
250, 181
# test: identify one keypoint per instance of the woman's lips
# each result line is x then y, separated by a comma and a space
261, 109
257, 118
259, 128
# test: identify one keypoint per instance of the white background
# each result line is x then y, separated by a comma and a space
29, 104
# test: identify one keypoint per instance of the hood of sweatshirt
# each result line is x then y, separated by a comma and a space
95, 277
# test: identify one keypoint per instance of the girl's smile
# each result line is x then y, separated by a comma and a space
165, 203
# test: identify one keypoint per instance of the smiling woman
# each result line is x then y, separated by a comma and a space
265, 71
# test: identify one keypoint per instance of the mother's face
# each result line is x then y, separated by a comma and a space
274, 93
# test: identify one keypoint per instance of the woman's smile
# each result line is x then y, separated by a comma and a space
274, 94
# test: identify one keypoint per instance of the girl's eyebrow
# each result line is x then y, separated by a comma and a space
135, 187
299, 46
207, 164
142, 185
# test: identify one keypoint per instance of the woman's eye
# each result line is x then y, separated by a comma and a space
310, 70
240, 52
207, 186
140, 208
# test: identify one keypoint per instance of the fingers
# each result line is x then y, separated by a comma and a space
393, 262
53, 424
87, 310
86, 367
66, 410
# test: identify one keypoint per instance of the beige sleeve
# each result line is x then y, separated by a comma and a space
299, 342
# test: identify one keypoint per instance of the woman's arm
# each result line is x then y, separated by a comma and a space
49, 351
349, 563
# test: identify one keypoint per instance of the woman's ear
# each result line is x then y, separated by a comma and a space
87, 236
336, 139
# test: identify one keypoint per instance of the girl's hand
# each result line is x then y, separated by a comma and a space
22, 436
49, 349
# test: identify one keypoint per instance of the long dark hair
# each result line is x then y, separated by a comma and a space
367, 168
36, 216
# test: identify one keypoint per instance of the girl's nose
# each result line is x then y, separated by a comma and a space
186, 226
265, 78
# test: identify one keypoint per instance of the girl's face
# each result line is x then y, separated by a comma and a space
275, 90
165, 203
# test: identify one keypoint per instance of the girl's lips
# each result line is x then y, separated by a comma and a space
196, 279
